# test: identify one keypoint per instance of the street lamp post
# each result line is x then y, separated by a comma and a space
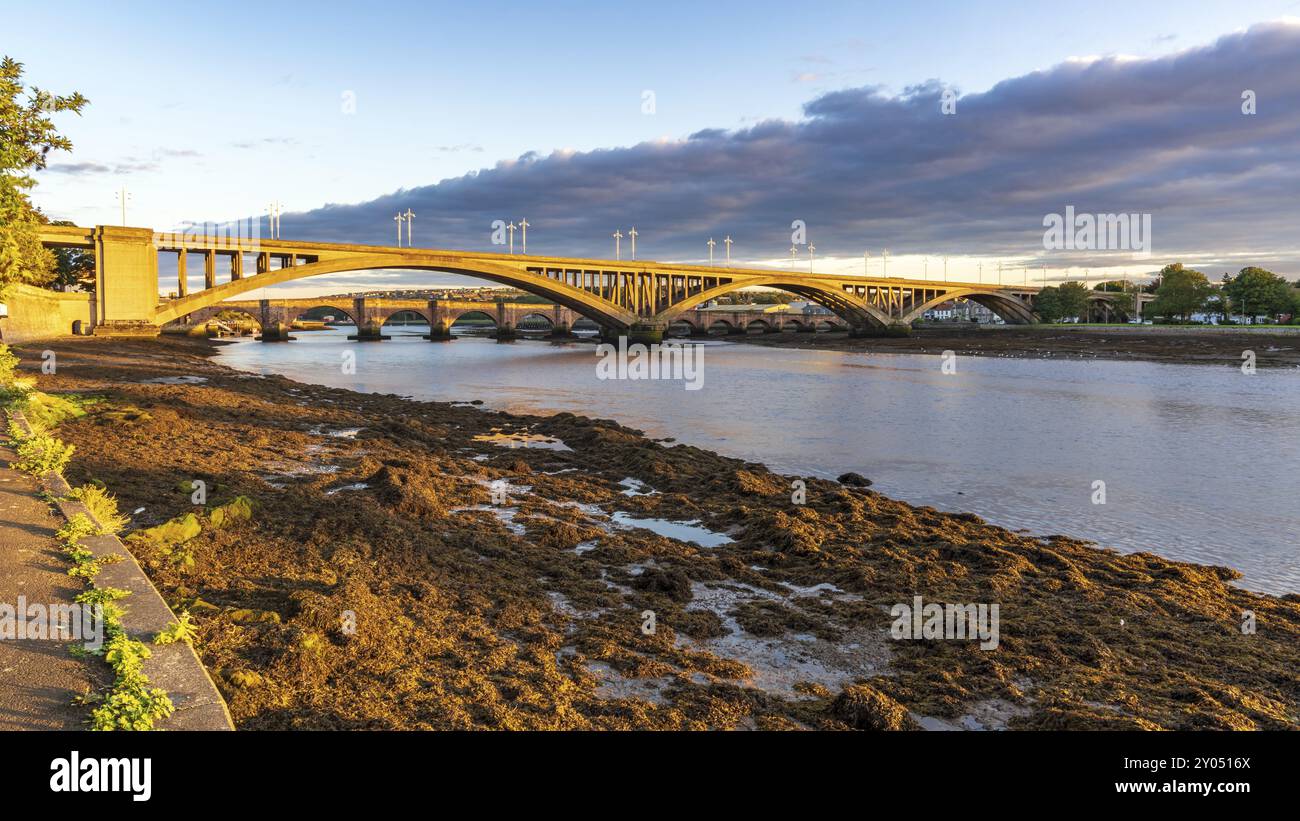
618, 237
727, 242
410, 218
632, 235
511, 229
884, 263
711, 244
523, 226
123, 196
812, 249
398, 220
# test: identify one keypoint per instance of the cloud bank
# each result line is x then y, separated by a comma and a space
866, 170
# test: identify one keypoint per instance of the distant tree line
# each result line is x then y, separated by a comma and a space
1180, 293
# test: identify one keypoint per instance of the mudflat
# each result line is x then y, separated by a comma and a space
425, 565
1189, 345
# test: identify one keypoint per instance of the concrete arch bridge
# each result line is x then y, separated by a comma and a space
639, 298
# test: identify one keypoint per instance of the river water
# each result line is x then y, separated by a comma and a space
1199, 463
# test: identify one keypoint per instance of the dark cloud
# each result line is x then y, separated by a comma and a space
865, 169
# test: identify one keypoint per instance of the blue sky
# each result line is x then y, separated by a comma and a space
211, 111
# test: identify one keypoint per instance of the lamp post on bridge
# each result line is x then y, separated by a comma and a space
866, 263
727, 242
812, 249
945, 267
273, 219
711, 244
398, 219
925, 268
632, 236
523, 226
884, 263
511, 229
794, 256
122, 197
410, 218
618, 237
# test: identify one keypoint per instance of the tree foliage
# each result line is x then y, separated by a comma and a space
27, 136
1256, 291
1069, 300
1182, 292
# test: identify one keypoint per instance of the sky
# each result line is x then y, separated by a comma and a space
690, 121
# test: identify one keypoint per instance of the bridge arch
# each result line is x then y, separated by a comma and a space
857, 313
534, 316
389, 316
295, 314
582, 302
1012, 310
473, 314
681, 326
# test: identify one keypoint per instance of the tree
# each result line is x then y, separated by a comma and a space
73, 267
1182, 292
1257, 291
1218, 303
26, 136
1048, 304
1073, 298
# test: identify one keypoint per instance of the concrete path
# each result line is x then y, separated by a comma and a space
38, 679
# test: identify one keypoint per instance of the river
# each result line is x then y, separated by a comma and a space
1199, 463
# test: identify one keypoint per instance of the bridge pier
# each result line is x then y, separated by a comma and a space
646, 333
274, 325
439, 331
371, 331
370, 325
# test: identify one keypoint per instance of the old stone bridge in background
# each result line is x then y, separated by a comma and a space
635, 297
277, 317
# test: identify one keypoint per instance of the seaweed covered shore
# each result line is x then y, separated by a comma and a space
379, 562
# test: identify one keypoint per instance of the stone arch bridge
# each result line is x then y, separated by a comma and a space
638, 298
369, 314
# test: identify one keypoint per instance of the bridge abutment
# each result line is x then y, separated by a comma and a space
126, 281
